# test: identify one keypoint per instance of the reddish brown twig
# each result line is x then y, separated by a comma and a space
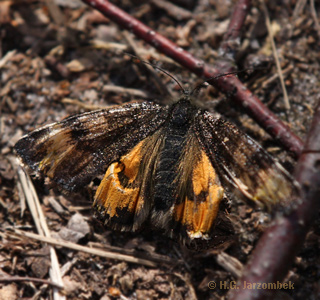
278, 246
229, 84
231, 39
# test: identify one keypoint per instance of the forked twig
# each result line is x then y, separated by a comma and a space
230, 85
278, 246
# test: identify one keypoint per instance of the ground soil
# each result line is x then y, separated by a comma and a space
55, 64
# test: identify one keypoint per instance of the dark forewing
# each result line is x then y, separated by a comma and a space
243, 162
73, 151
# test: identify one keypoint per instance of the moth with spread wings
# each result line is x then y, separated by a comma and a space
162, 164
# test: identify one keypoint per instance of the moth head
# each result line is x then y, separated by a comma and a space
182, 112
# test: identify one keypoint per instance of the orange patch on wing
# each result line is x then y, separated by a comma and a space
119, 189
199, 213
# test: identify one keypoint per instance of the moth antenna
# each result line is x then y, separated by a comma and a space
139, 60
202, 84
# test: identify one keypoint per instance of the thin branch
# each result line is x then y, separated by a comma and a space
124, 90
10, 279
93, 251
173, 10
278, 246
299, 8
231, 39
230, 85
80, 104
7, 58
230, 263
42, 227
275, 54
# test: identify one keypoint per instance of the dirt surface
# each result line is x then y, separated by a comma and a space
61, 60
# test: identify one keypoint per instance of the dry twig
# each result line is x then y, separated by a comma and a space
231, 39
73, 246
11, 279
230, 85
275, 55
40, 222
276, 250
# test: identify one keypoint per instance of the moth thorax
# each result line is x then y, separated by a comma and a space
181, 113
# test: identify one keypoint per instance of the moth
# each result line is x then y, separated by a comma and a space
165, 165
